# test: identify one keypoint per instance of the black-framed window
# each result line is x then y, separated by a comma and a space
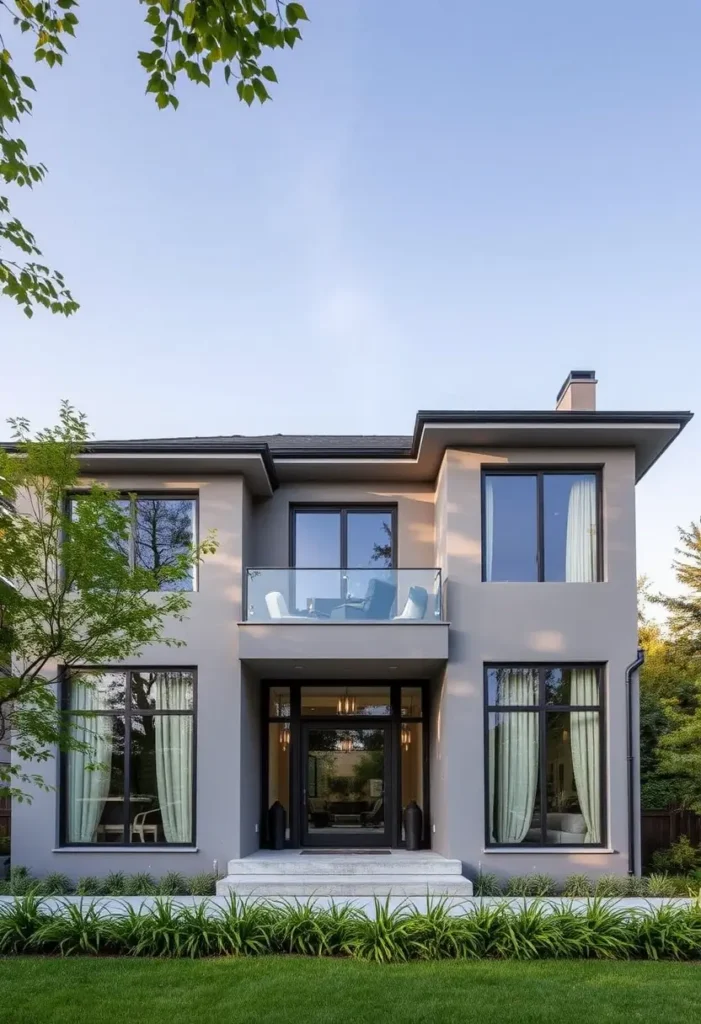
544, 755
541, 526
161, 528
343, 537
132, 780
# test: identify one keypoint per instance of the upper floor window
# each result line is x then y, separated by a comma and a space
161, 529
130, 778
359, 543
541, 526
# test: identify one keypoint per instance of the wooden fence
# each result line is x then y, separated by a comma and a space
659, 829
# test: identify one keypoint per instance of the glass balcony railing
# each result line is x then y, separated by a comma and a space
343, 595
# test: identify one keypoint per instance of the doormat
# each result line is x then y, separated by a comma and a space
360, 853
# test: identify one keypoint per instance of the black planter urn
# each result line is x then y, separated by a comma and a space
276, 825
413, 825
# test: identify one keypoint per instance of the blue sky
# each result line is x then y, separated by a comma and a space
447, 205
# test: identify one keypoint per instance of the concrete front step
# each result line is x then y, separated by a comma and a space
272, 886
395, 864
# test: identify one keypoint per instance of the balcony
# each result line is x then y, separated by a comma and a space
353, 623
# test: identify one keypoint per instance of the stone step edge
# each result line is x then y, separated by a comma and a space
311, 886
339, 866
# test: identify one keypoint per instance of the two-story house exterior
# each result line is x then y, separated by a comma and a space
446, 619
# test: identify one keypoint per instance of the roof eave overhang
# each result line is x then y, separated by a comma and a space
257, 468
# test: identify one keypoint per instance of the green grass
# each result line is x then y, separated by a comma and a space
308, 991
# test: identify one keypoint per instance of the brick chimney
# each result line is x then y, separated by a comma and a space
578, 393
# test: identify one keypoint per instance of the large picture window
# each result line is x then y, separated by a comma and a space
544, 747
132, 781
160, 529
541, 526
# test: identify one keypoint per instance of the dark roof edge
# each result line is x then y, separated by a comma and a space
161, 447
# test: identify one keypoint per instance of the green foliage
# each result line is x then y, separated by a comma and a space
660, 884
578, 886
19, 923
487, 884
608, 886
204, 884
637, 886
679, 858
54, 884
76, 600
88, 885
115, 883
249, 928
188, 38
141, 884
173, 884
531, 885
21, 881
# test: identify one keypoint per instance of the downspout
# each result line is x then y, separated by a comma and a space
632, 816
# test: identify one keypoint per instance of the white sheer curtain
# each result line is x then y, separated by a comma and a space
584, 729
88, 789
488, 527
174, 756
513, 757
581, 553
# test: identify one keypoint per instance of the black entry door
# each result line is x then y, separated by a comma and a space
346, 790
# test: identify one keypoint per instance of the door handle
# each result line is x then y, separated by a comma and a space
304, 797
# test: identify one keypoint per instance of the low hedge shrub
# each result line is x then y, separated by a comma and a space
602, 930
116, 883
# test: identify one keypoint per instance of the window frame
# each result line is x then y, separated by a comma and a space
542, 709
133, 497
343, 509
540, 472
127, 712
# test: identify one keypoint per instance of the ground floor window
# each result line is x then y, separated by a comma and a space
132, 779
544, 751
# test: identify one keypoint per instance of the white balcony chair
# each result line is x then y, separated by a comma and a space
277, 608
416, 604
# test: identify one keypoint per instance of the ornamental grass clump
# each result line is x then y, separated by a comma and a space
54, 884
611, 886
89, 885
531, 885
140, 884
578, 886
173, 884
488, 885
204, 884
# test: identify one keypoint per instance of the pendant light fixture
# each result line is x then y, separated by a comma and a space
284, 738
346, 744
406, 737
346, 704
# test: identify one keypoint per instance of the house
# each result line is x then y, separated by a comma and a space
446, 619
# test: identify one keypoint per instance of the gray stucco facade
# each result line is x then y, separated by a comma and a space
245, 493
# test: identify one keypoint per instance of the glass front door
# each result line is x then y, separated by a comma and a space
346, 797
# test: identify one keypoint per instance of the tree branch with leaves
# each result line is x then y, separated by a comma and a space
187, 38
69, 595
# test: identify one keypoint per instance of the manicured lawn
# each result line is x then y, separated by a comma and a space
38, 991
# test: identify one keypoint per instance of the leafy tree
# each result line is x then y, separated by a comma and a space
670, 682
68, 594
188, 38
685, 609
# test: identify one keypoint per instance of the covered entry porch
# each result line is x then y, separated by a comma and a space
345, 760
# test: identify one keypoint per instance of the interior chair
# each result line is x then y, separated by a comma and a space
141, 829
374, 816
